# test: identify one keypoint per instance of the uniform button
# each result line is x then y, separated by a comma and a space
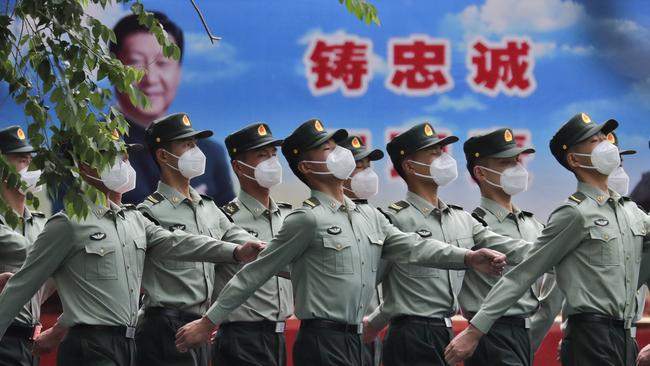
128, 267
606, 236
338, 246
362, 263
360, 306
332, 205
131, 290
359, 240
101, 251
363, 285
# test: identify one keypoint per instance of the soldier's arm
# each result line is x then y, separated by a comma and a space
484, 237
13, 246
50, 249
231, 232
562, 235
292, 240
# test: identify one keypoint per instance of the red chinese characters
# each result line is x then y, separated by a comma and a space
503, 67
419, 65
338, 62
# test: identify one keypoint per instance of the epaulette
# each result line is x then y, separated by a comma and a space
227, 215
385, 215
360, 201
577, 197
456, 207
37, 214
231, 208
155, 198
399, 206
288, 206
527, 214
206, 197
150, 218
479, 215
129, 206
311, 202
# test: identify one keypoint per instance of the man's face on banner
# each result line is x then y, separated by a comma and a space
160, 81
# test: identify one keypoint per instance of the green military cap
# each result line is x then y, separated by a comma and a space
250, 138
414, 139
579, 128
173, 127
308, 135
496, 144
611, 137
14, 141
359, 150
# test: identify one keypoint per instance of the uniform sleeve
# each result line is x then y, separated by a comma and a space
484, 237
13, 246
295, 236
182, 246
401, 247
550, 305
50, 249
233, 233
562, 235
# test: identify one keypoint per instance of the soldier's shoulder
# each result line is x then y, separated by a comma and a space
311, 203
480, 215
397, 207
576, 199
153, 199
284, 205
231, 208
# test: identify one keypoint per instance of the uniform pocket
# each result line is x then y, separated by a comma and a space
337, 255
100, 262
376, 244
140, 251
467, 243
603, 249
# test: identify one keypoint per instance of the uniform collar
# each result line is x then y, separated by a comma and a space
500, 212
27, 216
256, 207
100, 210
331, 203
175, 197
425, 207
596, 194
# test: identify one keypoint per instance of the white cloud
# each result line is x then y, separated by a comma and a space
578, 50
220, 59
543, 49
465, 103
109, 16
640, 93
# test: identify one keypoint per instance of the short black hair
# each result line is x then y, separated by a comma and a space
152, 150
129, 25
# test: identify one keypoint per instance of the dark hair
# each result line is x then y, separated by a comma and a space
129, 25
152, 150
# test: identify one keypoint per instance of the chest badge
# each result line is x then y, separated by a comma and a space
334, 230
601, 222
424, 233
177, 227
254, 233
97, 236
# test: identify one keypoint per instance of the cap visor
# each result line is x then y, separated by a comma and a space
196, 134
509, 153
442, 142
273, 142
134, 147
607, 127
627, 152
337, 136
21, 150
373, 155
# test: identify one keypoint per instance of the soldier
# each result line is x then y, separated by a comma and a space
494, 163
257, 326
97, 265
363, 184
419, 301
594, 240
16, 345
619, 180
177, 292
334, 247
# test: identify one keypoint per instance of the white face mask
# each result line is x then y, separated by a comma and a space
115, 177
340, 163
513, 180
604, 158
619, 181
191, 163
443, 169
364, 184
30, 178
268, 173
130, 185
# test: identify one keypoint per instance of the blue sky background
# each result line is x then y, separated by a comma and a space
590, 56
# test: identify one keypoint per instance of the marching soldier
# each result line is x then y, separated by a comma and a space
594, 240
334, 247
257, 326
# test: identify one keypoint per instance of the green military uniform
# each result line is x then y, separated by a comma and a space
253, 334
15, 346
594, 240
419, 301
372, 354
177, 292
334, 249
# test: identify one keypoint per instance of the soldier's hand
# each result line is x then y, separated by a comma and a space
4, 277
49, 340
369, 332
249, 251
486, 260
643, 359
463, 345
194, 334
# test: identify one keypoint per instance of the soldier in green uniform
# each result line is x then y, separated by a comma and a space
253, 334
493, 161
418, 301
363, 184
594, 240
97, 265
334, 247
16, 345
177, 292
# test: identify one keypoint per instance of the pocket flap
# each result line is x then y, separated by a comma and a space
600, 233
334, 243
376, 238
639, 229
140, 242
100, 250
